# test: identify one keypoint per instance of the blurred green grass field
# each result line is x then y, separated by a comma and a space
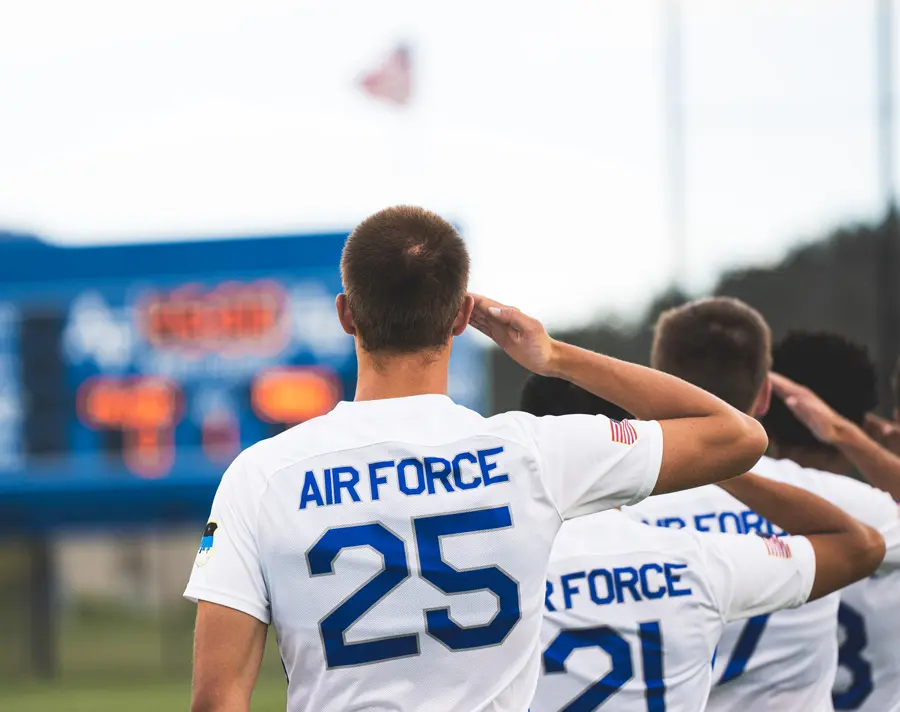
116, 696
112, 660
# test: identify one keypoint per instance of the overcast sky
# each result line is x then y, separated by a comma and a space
539, 127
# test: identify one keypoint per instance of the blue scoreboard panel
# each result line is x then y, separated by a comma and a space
131, 375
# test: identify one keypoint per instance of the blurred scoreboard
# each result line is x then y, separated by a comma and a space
131, 375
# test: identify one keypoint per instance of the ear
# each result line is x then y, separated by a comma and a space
763, 400
344, 315
462, 318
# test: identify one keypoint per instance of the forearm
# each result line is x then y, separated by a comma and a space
793, 509
846, 550
645, 392
877, 464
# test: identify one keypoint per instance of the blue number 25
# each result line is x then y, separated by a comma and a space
433, 568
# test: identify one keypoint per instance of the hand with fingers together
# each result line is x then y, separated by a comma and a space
872, 456
809, 409
522, 337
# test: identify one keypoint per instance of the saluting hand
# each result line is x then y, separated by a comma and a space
809, 409
522, 337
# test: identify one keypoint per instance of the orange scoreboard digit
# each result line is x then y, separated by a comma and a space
294, 394
144, 409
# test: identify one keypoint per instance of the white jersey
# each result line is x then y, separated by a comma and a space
868, 676
399, 547
787, 660
634, 613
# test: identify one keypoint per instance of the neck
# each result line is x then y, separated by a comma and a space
401, 375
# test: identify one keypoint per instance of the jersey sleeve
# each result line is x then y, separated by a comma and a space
753, 575
227, 569
591, 463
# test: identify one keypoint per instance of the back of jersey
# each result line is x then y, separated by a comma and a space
631, 621
399, 547
634, 612
786, 660
868, 677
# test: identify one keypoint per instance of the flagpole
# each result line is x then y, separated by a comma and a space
887, 264
675, 144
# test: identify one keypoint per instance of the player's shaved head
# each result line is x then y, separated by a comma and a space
405, 272
720, 344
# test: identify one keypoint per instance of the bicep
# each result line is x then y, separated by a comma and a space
228, 652
693, 455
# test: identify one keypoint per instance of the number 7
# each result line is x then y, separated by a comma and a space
743, 649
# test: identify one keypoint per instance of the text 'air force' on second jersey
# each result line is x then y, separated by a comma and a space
634, 612
400, 547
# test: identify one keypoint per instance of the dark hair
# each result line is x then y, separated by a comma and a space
542, 395
405, 271
839, 371
720, 344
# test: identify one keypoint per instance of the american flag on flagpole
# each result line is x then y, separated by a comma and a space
623, 432
778, 548
392, 80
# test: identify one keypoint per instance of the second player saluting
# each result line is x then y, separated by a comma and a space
634, 613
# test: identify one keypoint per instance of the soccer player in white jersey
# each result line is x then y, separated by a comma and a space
633, 613
399, 545
829, 438
786, 661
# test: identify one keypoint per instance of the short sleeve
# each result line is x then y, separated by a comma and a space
227, 569
753, 575
591, 463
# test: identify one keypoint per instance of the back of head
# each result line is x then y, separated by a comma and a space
720, 344
836, 369
405, 272
553, 396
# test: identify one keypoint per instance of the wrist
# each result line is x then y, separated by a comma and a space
555, 367
847, 434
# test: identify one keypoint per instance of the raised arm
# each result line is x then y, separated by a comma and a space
228, 652
876, 463
705, 440
846, 549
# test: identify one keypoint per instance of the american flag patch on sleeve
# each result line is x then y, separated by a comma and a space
777, 547
623, 432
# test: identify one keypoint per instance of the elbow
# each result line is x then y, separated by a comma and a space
748, 441
868, 551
